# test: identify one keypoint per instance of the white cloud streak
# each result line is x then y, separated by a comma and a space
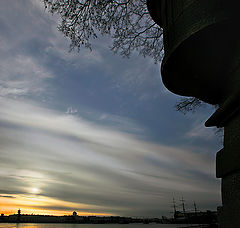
79, 161
74, 160
22, 75
199, 131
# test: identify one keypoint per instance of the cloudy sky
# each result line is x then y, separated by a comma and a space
91, 131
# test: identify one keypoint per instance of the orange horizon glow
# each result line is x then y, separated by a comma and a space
31, 204
29, 211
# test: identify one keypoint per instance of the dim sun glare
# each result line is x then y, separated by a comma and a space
34, 190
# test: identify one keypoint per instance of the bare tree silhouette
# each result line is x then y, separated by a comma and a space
127, 22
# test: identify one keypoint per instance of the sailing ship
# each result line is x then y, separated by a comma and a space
194, 216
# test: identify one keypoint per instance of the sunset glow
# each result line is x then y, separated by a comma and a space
93, 132
32, 205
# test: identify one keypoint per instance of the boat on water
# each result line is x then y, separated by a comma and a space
206, 219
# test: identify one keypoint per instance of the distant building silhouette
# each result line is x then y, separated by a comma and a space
18, 215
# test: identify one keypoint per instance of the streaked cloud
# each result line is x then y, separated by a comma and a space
6, 196
200, 131
91, 131
22, 75
71, 159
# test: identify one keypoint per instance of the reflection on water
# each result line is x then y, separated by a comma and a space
37, 225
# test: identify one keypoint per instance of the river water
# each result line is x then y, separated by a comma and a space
136, 225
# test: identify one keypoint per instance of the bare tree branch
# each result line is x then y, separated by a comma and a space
126, 21
188, 105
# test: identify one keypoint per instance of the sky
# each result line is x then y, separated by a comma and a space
92, 131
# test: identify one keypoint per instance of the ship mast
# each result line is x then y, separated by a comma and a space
195, 207
183, 205
174, 206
